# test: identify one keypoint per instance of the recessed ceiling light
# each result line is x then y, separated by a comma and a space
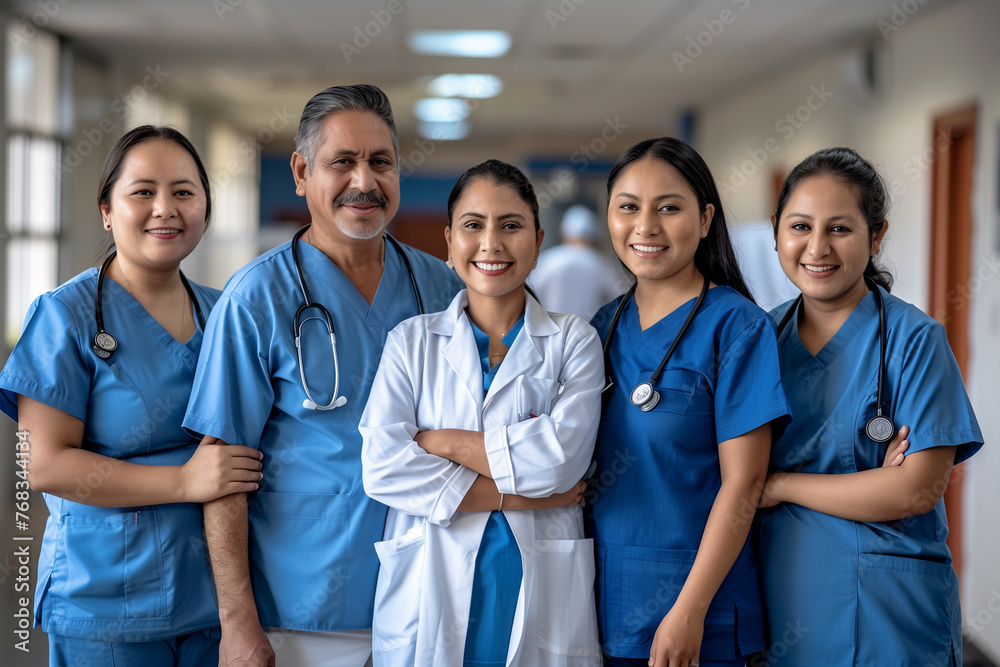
441, 109
462, 43
472, 86
442, 131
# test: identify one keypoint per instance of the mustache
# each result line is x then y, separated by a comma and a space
358, 197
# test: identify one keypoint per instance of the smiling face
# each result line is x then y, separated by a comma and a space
823, 242
492, 240
157, 207
655, 222
352, 189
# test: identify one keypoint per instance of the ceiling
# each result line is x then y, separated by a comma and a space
572, 64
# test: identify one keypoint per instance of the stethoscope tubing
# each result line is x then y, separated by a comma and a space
336, 400
104, 343
644, 396
879, 428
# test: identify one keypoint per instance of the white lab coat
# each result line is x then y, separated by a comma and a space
430, 378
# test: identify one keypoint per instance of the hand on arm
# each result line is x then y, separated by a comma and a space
894, 454
243, 643
888, 493
743, 463
896, 450
59, 465
217, 469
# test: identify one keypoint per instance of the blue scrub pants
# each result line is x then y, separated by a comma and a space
198, 649
644, 662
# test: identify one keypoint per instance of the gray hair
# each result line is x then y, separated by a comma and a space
359, 97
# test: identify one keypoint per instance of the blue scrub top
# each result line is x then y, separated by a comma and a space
658, 472
496, 582
312, 563
126, 574
880, 593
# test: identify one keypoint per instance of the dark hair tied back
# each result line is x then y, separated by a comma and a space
868, 186
498, 173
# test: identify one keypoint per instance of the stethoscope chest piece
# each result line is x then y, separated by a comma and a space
880, 429
104, 344
644, 396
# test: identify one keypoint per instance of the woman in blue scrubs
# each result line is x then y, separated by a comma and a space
853, 561
677, 481
98, 398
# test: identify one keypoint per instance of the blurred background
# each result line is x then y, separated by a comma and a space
559, 87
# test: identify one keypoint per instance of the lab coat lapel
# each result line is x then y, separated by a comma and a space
525, 354
460, 351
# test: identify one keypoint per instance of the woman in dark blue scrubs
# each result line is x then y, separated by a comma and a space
677, 481
854, 551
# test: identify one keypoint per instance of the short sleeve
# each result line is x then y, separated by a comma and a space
748, 390
932, 399
232, 394
48, 363
602, 318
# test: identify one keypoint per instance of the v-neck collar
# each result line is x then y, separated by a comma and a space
667, 326
860, 317
121, 296
329, 277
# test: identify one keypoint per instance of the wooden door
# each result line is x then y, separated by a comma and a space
950, 300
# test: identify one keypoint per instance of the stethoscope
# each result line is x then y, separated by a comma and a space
644, 396
880, 427
336, 401
104, 343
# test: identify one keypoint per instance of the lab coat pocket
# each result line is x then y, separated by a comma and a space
534, 396
398, 596
114, 566
564, 599
908, 611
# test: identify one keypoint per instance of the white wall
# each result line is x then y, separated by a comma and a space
941, 58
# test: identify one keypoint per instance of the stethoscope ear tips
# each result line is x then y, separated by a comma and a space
309, 404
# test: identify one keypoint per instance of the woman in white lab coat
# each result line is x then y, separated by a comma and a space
481, 422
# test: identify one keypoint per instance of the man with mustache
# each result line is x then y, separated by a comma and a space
294, 565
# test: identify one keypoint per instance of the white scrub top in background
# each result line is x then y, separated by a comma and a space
574, 279
312, 563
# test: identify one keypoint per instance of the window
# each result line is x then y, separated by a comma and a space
33, 174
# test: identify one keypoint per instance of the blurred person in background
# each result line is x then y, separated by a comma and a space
575, 277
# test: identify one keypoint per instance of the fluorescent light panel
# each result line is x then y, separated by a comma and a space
444, 131
441, 109
461, 43
471, 86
